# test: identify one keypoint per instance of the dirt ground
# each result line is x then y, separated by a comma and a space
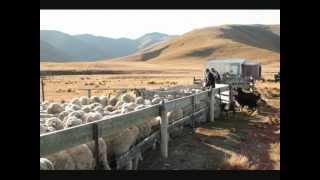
242, 142
64, 88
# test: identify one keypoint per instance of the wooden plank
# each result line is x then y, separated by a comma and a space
164, 130
202, 95
65, 138
186, 118
179, 103
110, 126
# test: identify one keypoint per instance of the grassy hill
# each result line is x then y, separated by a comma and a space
257, 42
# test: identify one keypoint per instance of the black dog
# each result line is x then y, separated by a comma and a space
247, 99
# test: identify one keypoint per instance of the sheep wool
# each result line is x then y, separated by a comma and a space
104, 101
156, 100
113, 101
54, 108
54, 122
84, 100
139, 100
72, 121
45, 164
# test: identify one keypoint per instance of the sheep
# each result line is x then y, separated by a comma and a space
43, 129
86, 108
109, 108
147, 102
119, 143
84, 100
126, 98
94, 99
93, 105
99, 109
63, 114
78, 114
81, 157
54, 122
75, 158
92, 116
75, 101
113, 101
139, 100
119, 105
156, 100
102, 154
54, 108
45, 164
72, 121
73, 107
104, 101
173, 116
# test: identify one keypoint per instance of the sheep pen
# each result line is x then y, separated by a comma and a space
57, 117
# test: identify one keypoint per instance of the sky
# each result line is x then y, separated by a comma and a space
135, 23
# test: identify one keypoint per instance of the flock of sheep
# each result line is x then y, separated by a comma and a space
84, 110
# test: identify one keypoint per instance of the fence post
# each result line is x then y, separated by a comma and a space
42, 89
164, 130
96, 135
212, 102
194, 100
89, 93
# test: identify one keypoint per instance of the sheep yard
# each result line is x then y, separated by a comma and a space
242, 141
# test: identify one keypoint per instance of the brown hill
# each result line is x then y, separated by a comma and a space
257, 42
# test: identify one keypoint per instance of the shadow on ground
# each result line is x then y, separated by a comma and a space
217, 145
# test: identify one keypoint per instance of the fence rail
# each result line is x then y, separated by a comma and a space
67, 138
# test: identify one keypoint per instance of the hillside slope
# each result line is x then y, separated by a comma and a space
88, 47
49, 53
260, 43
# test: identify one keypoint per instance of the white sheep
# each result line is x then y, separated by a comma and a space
147, 102
75, 101
94, 99
84, 100
86, 108
45, 164
43, 129
156, 100
104, 101
126, 98
113, 101
54, 108
72, 121
109, 108
99, 109
64, 114
75, 158
73, 107
139, 100
54, 122
92, 116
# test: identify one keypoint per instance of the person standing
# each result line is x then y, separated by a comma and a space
209, 79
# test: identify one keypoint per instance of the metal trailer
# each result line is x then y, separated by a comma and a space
236, 72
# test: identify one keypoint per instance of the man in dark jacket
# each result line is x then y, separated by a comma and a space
209, 79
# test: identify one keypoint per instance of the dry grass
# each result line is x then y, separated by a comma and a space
237, 162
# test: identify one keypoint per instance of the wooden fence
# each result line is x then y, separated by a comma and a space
66, 138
